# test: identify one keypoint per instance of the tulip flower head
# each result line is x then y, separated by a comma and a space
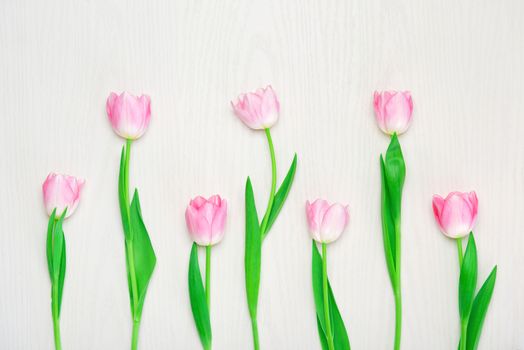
456, 215
61, 192
326, 222
393, 110
206, 219
129, 115
258, 110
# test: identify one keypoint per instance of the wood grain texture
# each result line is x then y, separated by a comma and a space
463, 61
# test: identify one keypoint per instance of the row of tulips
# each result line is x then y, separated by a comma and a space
206, 220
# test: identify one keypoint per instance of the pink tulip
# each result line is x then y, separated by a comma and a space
326, 222
258, 110
206, 219
393, 110
457, 214
129, 115
60, 192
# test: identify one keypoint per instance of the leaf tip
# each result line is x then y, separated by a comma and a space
494, 271
248, 182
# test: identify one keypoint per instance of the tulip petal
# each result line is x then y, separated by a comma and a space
205, 219
398, 113
129, 115
457, 214
393, 111
219, 223
216, 200
197, 202
61, 192
259, 109
438, 204
315, 212
377, 105
333, 223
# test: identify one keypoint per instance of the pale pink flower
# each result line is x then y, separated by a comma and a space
129, 115
206, 219
60, 192
259, 109
326, 222
457, 214
393, 110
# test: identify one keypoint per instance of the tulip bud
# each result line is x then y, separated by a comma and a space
393, 110
129, 115
258, 110
326, 222
206, 219
61, 192
457, 214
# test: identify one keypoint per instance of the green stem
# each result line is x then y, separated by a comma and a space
208, 277
254, 327
329, 334
126, 174
132, 273
54, 291
208, 283
463, 323
56, 317
459, 248
398, 289
130, 252
463, 334
134, 338
263, 225
398, 318
271, 199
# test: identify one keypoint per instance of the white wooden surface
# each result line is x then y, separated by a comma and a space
463, 61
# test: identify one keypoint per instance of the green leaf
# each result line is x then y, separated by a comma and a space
143, 253
281, 195
395, 171
57, 249
340, 336
58, 244
61, 277
468, 279
479, 310
49, 242
197, 296
318, 294
388, 227
129, 283
253, 251
322, 336
122, 195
